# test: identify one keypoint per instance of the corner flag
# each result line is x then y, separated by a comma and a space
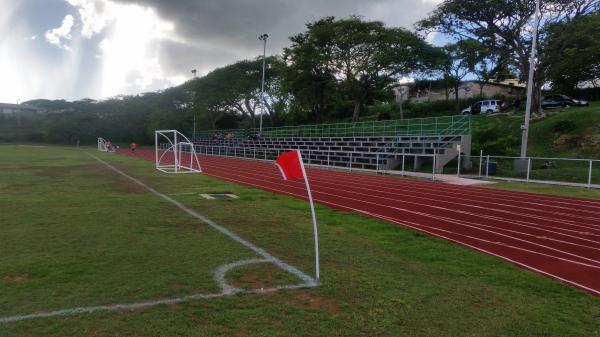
291, 166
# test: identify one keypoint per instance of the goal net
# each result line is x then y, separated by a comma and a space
105, 146
175, 153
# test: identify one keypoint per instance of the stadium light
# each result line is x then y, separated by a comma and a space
263, 38
532, 63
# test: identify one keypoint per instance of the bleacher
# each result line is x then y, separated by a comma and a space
367, 145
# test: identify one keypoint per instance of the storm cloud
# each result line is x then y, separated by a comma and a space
100, 48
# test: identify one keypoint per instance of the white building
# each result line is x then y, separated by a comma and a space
8, 108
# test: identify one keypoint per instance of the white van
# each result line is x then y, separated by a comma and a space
484, 108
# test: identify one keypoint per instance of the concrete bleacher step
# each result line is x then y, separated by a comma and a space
355, 152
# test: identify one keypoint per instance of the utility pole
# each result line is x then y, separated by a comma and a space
263, 38
532, 64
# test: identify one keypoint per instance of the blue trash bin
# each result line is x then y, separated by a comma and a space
492, 168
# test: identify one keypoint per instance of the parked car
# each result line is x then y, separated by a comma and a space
565, 101
548, 103
484, 107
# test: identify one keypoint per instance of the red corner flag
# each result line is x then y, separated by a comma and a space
291, 166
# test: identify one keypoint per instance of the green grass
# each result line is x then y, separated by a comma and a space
501, 135
588, 193
73, 233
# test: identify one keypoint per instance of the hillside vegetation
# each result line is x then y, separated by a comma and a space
571, 132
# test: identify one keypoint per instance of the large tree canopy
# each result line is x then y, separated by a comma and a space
505, 26
573, 53
361, 57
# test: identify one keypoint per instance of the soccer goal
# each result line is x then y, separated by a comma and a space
175, 153
105, 146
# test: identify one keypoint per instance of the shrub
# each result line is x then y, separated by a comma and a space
563, 126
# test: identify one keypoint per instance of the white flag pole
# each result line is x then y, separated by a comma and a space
314, 217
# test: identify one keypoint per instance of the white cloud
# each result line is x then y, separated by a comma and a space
30, 38
129, 53
95, 15
57, 35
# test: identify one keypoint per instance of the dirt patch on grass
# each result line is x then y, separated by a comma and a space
62, 171
128, 186
15, 278
120, 183
256, 276
307, 299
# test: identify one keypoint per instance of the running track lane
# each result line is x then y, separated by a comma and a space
555, 236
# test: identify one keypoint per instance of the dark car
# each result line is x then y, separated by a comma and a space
565, 101
548, 103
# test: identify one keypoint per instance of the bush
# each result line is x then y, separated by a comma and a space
563, 126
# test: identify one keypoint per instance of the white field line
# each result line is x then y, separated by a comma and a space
219, 276
226, 290
445, 219
420, 228
292, 270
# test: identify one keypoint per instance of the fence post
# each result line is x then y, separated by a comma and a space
528, 169
328, 153
403, 156
458, 168
590, 174
487, 167
350, 163
480, 161
434, 159
308, 164
265, 154
377, 167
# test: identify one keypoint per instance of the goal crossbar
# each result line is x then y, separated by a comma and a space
175, 153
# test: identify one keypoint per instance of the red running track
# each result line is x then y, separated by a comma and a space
555, 236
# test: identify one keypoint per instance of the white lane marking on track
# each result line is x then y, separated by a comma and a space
451, 221
571, 222
536, 226
524, 197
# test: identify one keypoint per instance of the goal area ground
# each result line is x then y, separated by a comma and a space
76, 233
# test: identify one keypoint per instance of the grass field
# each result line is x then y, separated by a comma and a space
73, 233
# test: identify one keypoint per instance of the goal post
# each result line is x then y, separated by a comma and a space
175, 153
105, 146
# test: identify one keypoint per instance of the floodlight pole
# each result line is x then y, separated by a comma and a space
263, 38
532, 63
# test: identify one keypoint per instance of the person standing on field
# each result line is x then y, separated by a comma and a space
133, 146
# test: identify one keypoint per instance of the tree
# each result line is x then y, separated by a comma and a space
307, 74
360, 57
504, 27
573, 52
462, 59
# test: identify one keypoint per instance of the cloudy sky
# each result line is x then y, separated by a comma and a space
74, 49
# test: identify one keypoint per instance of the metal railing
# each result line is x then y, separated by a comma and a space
543, 170
540, 170
432, 126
